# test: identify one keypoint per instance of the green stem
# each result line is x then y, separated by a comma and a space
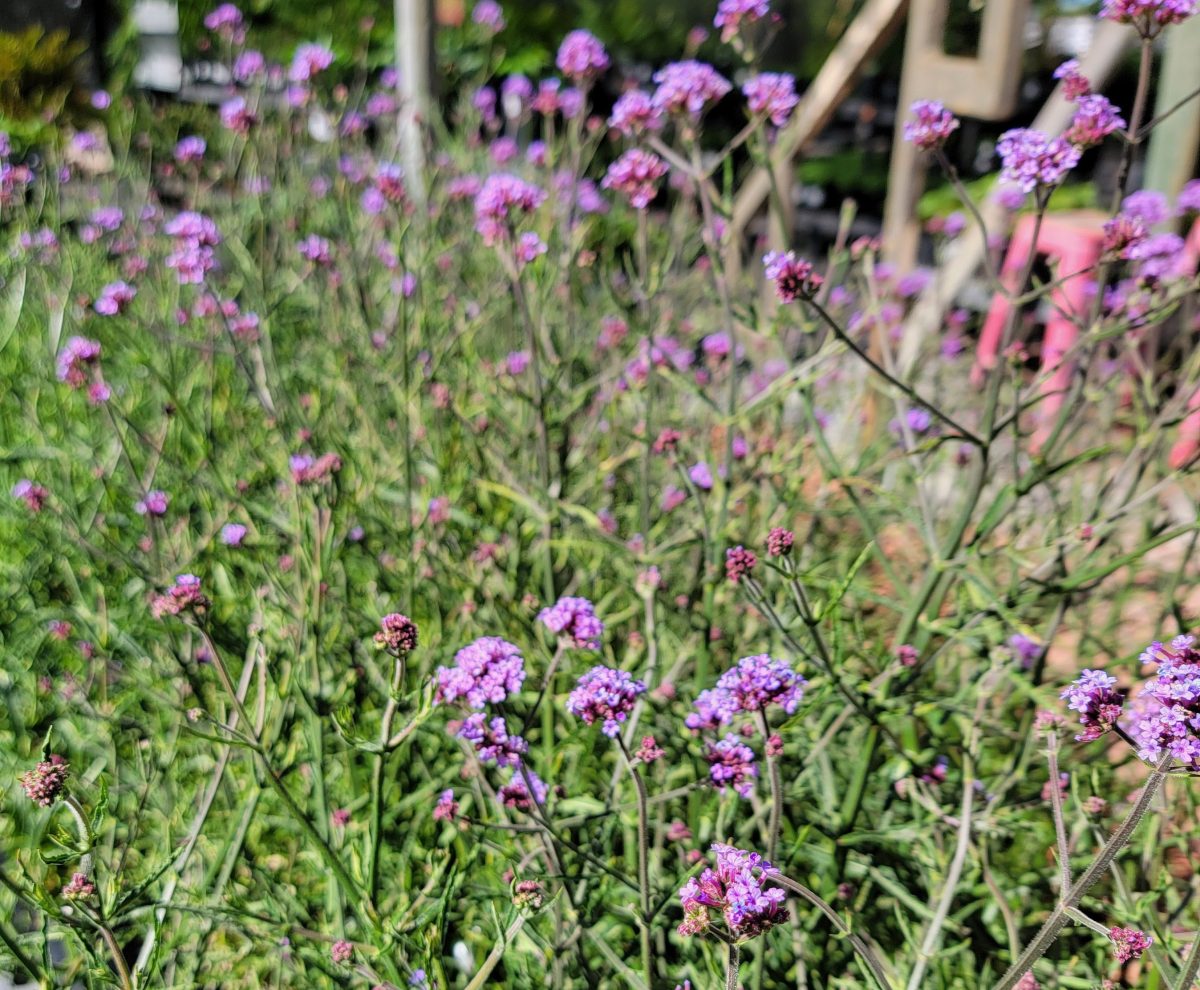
643, 829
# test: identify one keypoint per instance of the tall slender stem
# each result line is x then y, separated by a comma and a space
1060, 831
643, 831
731, 967
773, 773
377, 774
1058, 917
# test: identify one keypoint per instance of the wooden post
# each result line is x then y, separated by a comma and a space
983, 87
1171, 160
414, 65
867, 34
1108, 44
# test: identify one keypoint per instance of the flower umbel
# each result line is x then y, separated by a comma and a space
605, 695
736, 889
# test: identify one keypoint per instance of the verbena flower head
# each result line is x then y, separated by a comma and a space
33, 495
575, 620
316, 249
1093, 695
249, 66
689, 87
581, 57
489, 14
309, 470
190, 150
1075, 84
636, 174
1123, 234
232, 534
1030, 158
605, 695
502, 199
397, 634
309, 60
1148, 16
794, 278
1129, 943
74, 359
733, 14
154, 504
1171, 720
635, 113
739, 563
759, 681
237, 116
492, 741
1147, 205
341, 951
226, 20
114, 298
45, 783
515, 793
1095, 119
772, 94
736, 890
79, 888
485, 672
184, 595
779, 542
931, 125
731, 764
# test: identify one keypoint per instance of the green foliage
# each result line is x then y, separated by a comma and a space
37, 76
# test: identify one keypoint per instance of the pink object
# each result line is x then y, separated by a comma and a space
1072, 243
1187, 447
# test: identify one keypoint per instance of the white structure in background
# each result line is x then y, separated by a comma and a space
160, 65
414, 64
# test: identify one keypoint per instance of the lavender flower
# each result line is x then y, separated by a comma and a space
1075, 84
772, 94
397, 634
115, 298
237, 116
575, 621
1095, 119
737, 890
794, 278
184, 595
635, 113
1031, 159
581, 57
232, 534
739, 563
485, 671
492, 741
45, 783
932, 125
636, 174
500, 201
1099, 706
1172, 717
309, 60
1129, 943
1148, 16
79, 888
733, 14
490, 15
688, 87
154, 504
74, 359
731, 764
779, 542
190, 150
33, 495
515, 793
605, 695
341, 951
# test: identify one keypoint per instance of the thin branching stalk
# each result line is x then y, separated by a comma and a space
644, 891
776, 779
732, 960
1056, 808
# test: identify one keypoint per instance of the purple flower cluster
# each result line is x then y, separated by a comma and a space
731, 764
606, 695
794, 278
1098, 704
485, 671
575, 620
754, 684
74, 360
1148, 16
688, 87
636, 174
499, 201
33, 495
931, 125
1095, 119
397, 634
45, 782
736, 890
316, 249
226, 20
115, 298
635, 113
1129, 943
489, 14
183, 595
772, 94
779, 542
195, 237
1123, 234
1030, 158
1075, 84
515, 793
190, 150
581, 57
309, 470
732, 14
79, 888
739, 563
1171, 720
308, 61
492, 741
154, 503
237, 115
